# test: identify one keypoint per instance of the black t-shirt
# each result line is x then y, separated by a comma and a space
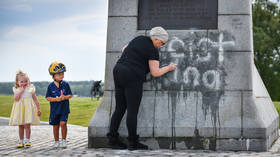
137, 54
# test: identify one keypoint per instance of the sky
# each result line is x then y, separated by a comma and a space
35, 33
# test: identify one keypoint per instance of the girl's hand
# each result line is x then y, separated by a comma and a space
39, 113
22, 89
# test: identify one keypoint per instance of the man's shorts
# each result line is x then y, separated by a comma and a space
55, 119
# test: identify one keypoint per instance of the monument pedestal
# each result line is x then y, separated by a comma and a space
215, 99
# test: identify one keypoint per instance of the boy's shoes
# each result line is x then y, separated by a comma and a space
56, 144
63, 144
20, 145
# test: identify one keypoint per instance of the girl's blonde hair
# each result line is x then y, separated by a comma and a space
18, 75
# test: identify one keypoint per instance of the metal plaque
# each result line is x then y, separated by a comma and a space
178, 14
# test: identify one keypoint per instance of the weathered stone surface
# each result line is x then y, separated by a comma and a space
163, 121
123, 8
258, 85
145, 116
259, 116
240, 27
98, 126
220, 119
111, 60
238, 69
120, 31
234, 7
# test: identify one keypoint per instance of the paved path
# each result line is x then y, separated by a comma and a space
42, 141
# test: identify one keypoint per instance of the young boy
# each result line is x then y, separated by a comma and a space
58, 94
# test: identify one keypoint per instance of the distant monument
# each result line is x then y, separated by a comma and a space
215, 99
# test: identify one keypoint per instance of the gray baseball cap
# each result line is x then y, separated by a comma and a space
159, 33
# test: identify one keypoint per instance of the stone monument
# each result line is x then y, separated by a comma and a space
215, 99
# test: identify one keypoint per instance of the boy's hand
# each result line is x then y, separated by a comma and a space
62, 97
58, 99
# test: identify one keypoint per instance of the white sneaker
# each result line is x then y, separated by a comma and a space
63, 144
56, 144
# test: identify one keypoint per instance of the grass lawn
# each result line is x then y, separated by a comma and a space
81, 108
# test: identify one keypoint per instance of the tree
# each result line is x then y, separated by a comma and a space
266, 35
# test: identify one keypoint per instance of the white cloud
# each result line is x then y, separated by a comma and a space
63, 32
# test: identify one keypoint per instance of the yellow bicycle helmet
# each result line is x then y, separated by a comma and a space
56, 67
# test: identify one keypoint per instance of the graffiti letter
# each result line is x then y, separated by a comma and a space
211, 79
194, 72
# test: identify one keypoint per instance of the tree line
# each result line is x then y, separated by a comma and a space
266, 35
79, 88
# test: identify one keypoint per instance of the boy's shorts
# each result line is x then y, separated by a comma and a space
55, 119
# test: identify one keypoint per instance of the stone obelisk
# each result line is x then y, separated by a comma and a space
215, 99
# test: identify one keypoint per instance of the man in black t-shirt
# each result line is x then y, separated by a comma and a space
139, 57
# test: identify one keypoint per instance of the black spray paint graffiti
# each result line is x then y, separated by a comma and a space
200, 60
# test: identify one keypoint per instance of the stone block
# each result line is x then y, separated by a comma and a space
123, 8
240, 28
120, 31
111, 60
238, 70
259, 116
234, 7
219, 115
145, 121
98, 126
259, 89
163, 115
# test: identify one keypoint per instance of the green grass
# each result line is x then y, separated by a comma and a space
81, 108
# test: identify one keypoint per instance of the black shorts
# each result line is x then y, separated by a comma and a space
55, 119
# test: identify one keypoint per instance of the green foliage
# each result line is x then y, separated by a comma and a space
266, 28
81, 108
277, 106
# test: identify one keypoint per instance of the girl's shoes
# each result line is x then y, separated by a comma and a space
27, 144
20, 145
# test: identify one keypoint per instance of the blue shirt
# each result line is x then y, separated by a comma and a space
53, 91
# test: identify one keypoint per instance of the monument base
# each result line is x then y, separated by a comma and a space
178, 143
257, 132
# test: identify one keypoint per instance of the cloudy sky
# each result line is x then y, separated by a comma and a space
34, 33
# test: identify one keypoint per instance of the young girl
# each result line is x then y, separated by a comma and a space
26, 108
